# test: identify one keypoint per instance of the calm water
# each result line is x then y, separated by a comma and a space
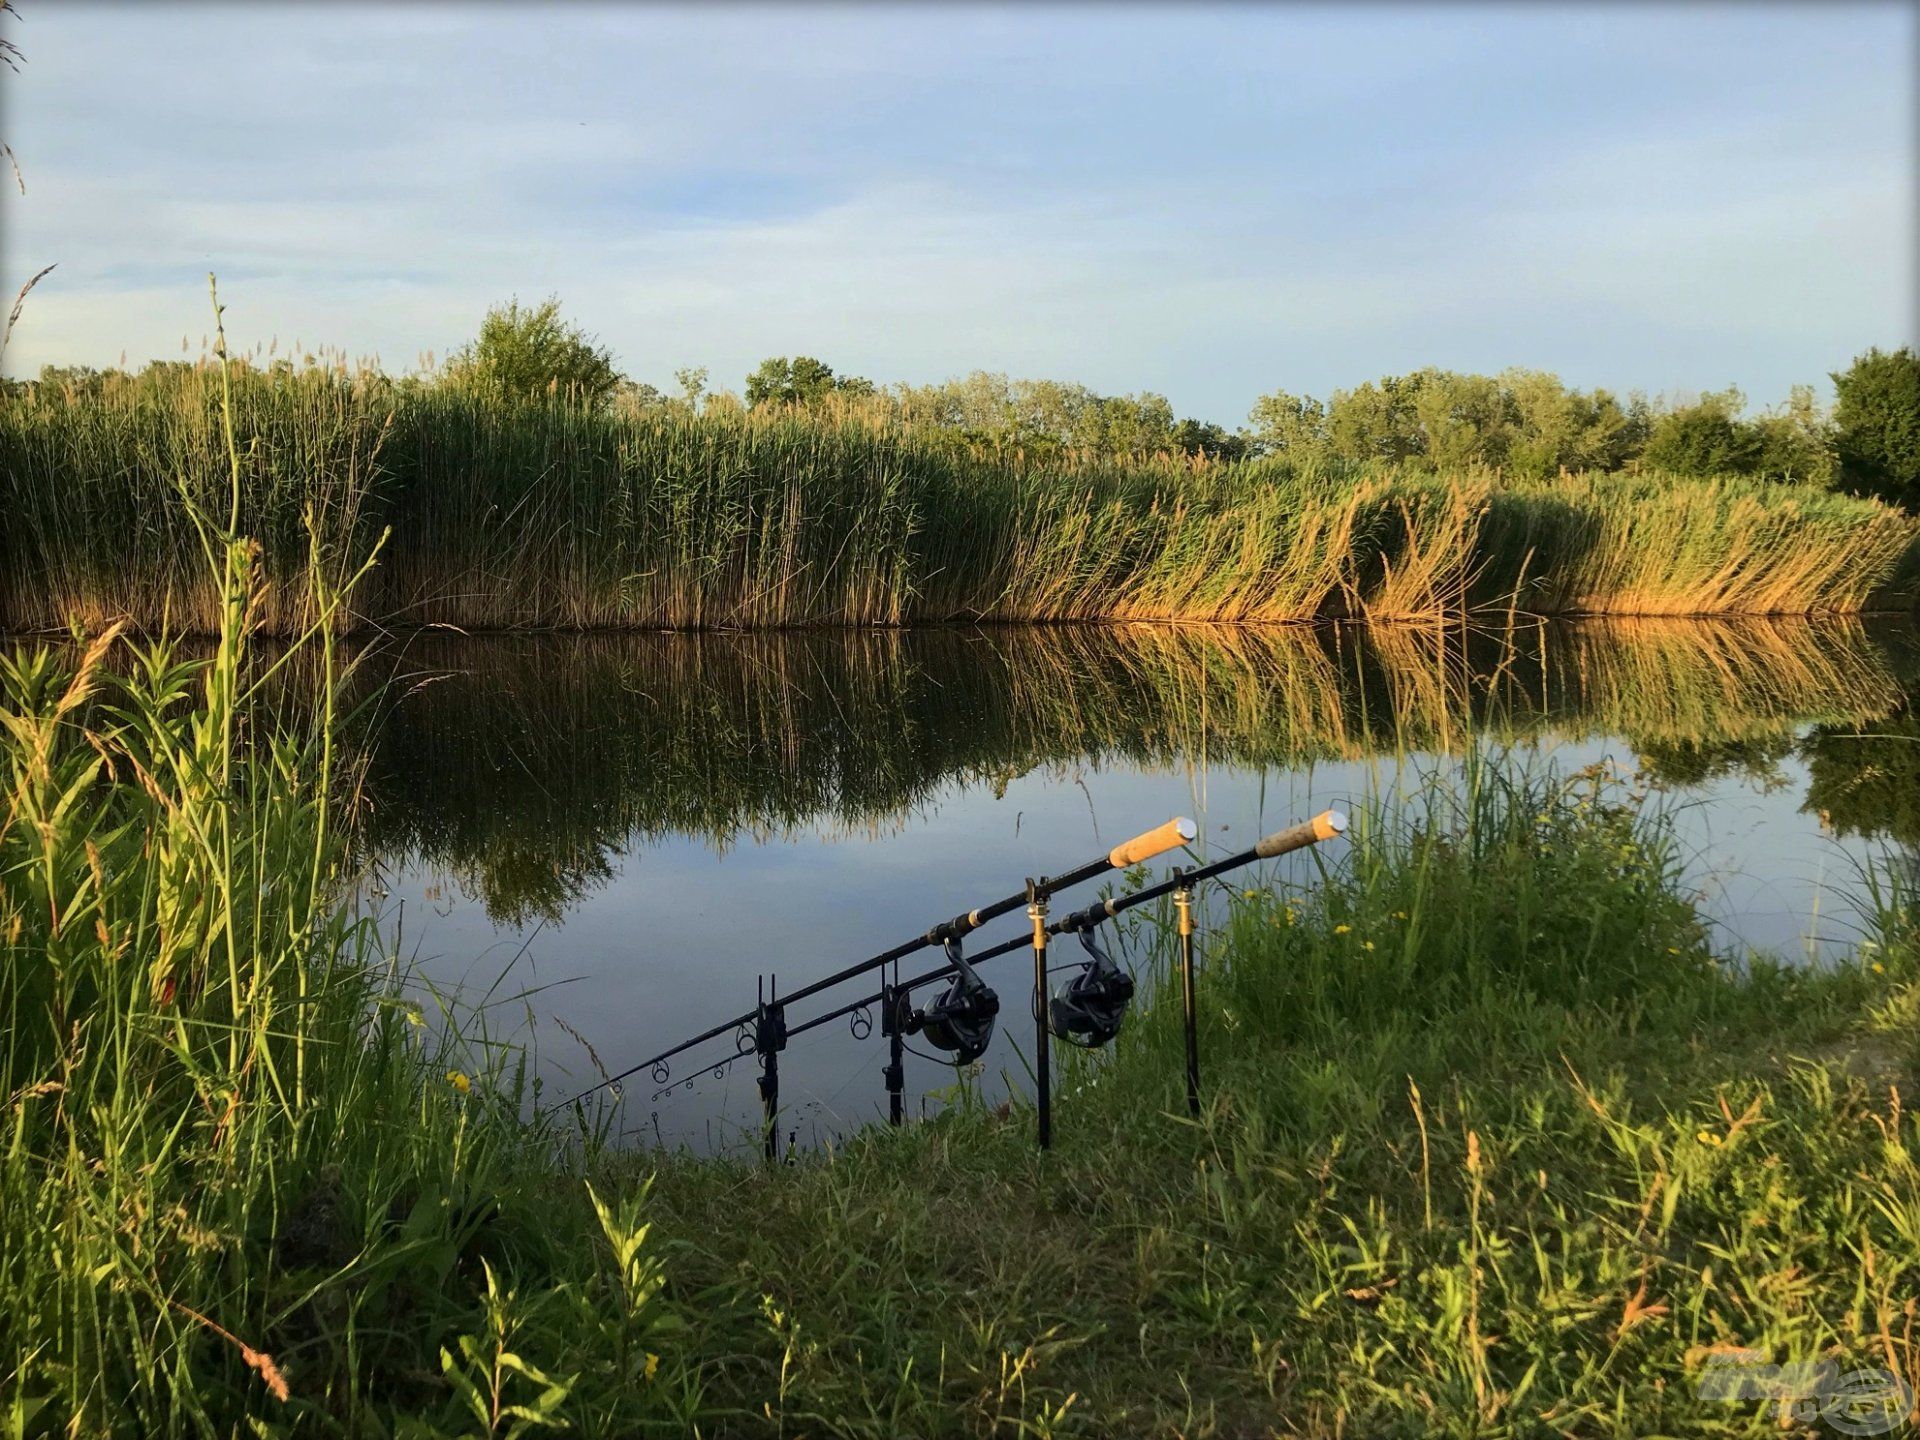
607, 840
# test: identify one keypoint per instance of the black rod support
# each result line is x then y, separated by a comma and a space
893, 1005
1042, 1038
1183, 908
770, 1038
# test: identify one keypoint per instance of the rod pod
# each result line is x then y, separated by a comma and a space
893, 1017
1177, 831
769, 1039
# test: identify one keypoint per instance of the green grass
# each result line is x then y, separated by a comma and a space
1495, 1144
548, 515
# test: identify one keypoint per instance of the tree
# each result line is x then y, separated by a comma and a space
1375, 422
1126, 425
802, 380
1291, 425
523, 351
1705, 438
1876, 419
692, 380
1796, 442
1204, 437
1461, 419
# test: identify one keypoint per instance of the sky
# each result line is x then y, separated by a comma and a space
1211, 203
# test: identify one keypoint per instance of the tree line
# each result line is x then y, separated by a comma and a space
1522, 422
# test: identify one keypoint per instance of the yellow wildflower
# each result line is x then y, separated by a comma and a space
1342, 929
653, 1364
1707, 1137
1366, 944
459, 1082
1878, 968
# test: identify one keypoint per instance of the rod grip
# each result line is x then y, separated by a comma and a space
1161, 838
1323, 826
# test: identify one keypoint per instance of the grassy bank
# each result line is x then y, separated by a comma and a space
549, 515
1496, 1143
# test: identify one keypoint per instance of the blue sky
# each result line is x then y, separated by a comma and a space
1208, 202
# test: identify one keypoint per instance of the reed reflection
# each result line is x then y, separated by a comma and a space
526, 766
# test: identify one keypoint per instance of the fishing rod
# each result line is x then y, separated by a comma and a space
768, 1017
1093, 1003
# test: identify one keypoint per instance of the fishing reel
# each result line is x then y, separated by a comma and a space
960, 1019
1088, 1009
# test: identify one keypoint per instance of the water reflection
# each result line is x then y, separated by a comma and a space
524, 766
661, 820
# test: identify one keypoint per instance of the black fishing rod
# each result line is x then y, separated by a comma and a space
897, 1018
768, 1018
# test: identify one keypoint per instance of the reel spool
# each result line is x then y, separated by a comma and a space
1087, 1011
960, 1019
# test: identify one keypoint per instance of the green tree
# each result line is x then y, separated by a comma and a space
1705, 438
1126, 424
1876, 419
529, 350
1204, 437
1375, 422
1291, 425
692, 380
1796, 442
802, 380
1460, 420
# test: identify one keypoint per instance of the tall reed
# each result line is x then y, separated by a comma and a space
545, 514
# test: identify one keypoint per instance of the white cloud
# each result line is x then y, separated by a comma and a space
712, 188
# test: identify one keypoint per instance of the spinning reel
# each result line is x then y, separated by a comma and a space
1088, 1009
961, 1018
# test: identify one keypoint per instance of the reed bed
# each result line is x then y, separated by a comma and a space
548, 515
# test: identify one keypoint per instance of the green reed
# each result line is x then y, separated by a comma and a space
546, 514
247, 1178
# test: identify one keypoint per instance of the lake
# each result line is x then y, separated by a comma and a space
607, 840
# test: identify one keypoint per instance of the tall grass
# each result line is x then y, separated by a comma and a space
243, 1187
544, 514
1494, 1144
